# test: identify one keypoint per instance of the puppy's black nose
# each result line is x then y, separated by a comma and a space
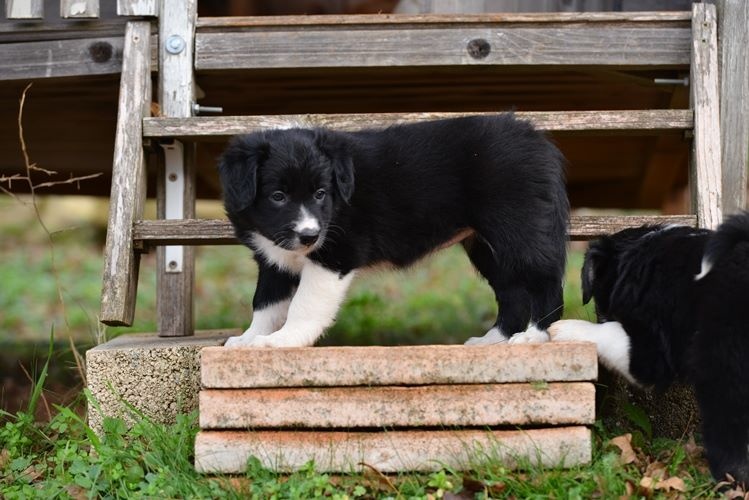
308, 237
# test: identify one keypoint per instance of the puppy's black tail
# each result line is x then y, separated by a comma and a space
721, 349
733, 231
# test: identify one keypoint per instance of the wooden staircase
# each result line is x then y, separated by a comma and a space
188, 45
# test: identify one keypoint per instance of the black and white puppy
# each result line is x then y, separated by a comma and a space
671, 302
316, 206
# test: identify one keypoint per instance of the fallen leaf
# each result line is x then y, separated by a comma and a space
693, 449
624, 443
4, 458
672, 483
656, 470
473, 485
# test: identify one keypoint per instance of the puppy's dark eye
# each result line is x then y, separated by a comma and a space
278, 196
320, 194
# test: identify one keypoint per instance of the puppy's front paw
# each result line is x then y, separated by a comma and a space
531, 336
568, 329
280, 338
239, 340
493, 336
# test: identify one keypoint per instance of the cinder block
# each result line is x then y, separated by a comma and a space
159, 376
395, 451
243, 368
387, 406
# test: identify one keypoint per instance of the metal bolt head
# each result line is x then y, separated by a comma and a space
175, 44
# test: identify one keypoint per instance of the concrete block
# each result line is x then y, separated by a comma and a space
243, 368
387, 406
158, 376
395, 451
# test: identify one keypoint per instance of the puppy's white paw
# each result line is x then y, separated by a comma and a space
493, 336
240, 340
531, 336
280, 338
570, 330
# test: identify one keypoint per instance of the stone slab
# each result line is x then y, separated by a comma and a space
394, 451
387, 406
158, 376
247, 367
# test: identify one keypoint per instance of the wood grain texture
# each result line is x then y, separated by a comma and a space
733, 37
636, 121
376, 46
244, 368
151, 233
61, 58
79, 9
24, 9
420, 406
137, 7
222, 23
227, 452
121, 262
706, 173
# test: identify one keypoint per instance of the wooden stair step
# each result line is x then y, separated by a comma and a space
227, 452
388, 406
655, 40
609, 122
244, 368
151, 233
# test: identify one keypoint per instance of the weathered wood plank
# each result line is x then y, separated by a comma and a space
227, 452
60, 58
242, 368
121, 262
575, 45
137, 7
24, 9
706, 177
733, 37
176, 96
205, 23
79, 9
150, 233
475, 405
636, 121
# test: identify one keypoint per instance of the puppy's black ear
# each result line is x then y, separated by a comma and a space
335, 147
592, 266
237, 170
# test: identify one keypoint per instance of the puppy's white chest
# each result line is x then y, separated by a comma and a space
286, 260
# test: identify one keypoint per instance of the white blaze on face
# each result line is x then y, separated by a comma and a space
306, 221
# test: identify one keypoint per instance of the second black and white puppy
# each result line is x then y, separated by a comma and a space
316, 206
671, 304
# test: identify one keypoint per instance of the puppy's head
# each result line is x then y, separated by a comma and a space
286, 185
601, 268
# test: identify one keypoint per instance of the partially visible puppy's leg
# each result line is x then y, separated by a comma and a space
270, 304
612, 342
312, 309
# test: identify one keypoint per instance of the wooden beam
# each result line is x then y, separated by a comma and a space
137, 7
121, 262
24, 9
733, 37
174, 294
570, 45
706, 176
151, 233
79, 9
61, 58
640, 121
221, 23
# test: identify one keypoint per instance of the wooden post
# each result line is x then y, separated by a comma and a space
176, 97
79, 9
24, 9
121, 262
733, 40
137, 7
706, 177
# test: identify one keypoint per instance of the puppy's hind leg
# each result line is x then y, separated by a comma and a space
270, 305
513, 303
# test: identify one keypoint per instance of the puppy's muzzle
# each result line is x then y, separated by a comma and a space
308, 237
